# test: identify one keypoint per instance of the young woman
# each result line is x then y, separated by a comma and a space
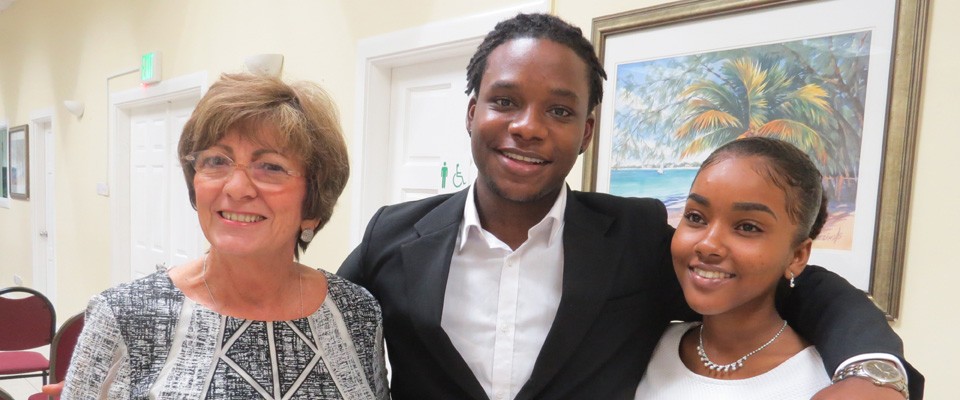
753, 211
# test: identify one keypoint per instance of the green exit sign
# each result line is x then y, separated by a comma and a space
150, 68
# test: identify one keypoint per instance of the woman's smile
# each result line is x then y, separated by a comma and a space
708, 279
240, 217
711, 274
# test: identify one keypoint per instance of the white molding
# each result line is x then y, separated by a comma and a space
165, 90
49, 286
42, 113
121, 104
376, 56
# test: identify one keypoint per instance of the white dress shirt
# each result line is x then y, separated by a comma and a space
499, 303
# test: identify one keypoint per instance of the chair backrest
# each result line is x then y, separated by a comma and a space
61, 350
27, 319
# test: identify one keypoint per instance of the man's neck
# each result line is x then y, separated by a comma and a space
510, 220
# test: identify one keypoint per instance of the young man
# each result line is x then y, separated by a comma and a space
519, 288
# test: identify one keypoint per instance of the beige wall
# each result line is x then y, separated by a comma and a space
53, 50
929, 320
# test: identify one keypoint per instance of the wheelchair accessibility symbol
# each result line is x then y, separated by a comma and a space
457, 180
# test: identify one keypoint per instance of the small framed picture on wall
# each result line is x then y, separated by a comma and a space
19, 156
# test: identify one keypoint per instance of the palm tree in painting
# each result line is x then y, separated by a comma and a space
747, 97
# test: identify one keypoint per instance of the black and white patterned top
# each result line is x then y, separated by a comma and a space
145, 339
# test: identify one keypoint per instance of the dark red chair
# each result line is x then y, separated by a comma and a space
61, 352
27, 321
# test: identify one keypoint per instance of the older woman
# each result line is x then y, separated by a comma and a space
264, 162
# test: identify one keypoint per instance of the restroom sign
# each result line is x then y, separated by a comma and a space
453, 176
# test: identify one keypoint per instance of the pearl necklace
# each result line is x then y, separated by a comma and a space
203, 275
736, 364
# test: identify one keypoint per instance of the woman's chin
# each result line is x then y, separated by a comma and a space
705, 306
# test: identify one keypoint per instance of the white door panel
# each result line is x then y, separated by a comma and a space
42, 193
49, 208
427, 129
148, 186
186, 239
164, 228
182, 247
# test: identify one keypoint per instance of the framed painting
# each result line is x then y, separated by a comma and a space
840, 79
19, 157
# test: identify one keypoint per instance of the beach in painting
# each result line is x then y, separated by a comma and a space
671, 186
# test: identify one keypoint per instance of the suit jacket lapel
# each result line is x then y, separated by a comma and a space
588, 271
426, 263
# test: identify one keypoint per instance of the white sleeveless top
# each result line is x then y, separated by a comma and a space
799, 377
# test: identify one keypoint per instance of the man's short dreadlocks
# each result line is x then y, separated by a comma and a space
538, 26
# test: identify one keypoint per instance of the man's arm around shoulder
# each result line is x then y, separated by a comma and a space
843, 323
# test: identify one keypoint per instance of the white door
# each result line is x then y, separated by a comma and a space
163, 226
416, 76
43, 195
429, 145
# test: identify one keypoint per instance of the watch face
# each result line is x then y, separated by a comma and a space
882, 371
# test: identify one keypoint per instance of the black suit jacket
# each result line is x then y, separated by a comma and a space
619, 293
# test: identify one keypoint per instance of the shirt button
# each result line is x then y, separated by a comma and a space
504, 328
500, 396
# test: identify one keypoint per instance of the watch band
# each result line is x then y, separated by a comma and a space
895, 379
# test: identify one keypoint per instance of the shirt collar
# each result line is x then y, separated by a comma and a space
550, 224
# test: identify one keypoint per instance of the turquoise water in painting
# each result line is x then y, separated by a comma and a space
671, 186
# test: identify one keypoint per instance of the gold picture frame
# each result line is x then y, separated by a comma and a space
892, 157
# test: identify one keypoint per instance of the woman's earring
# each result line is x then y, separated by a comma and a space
307, 235
792, 283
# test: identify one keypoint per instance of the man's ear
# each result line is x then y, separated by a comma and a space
471, 108
801, 254
587, 132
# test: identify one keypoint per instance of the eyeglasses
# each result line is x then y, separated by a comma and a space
270, 169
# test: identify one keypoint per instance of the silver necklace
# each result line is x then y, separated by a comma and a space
203, 275
736, 364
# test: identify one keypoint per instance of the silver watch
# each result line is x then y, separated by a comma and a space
879, 372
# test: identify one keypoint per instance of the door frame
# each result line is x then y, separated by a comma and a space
44, 279
376, 57
121, 106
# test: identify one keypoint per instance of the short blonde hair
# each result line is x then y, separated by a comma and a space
303, 114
